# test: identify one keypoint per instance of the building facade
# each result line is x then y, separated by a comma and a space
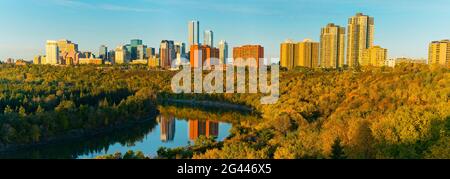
167, 53
249, 52
208, 38
302, 54
223, 52
360, 37
374, 56
52, 52
120, 55
439, 52
193, 33
332, 46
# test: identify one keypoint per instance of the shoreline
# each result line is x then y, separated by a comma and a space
72, 135
214, 104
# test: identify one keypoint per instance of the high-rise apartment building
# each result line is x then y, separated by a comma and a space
193, 33
249, 52
360, 36
304, 54
307, 54
287, 54
332, 46
208, 38
223, 52
52, 52
167, 53
67, 52
374, 56
439, 52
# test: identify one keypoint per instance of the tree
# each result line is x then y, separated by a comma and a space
337, 151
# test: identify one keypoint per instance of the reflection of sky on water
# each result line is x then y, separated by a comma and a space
155, 139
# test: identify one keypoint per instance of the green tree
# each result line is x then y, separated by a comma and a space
337, 151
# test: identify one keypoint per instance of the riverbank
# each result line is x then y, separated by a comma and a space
75, 134
214, 104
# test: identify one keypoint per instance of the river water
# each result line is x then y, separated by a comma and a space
166, 130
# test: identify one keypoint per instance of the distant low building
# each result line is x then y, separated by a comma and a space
90, 61
140, 62
397, 61
22, 62
154, 61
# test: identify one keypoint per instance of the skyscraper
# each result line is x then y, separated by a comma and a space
208, 38
132, 48
374, 56
67, 52
307, 54
121, 55
332, 46
223, 52
141, 51
103, 53
52, 52
247, 52
360, 37
287, 54
193, 33
439, 52
150, 52
166, 53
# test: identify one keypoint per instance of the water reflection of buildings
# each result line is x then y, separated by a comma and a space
206, 128
167, 126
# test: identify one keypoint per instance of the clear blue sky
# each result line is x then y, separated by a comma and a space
405, 27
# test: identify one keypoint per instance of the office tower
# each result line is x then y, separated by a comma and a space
439, 52
223, 52
167, 53
180, 48
360, 37
374, 56
111, 56
307, 54
141, 52
52, 52
332, 46
208, 38
206, 128
66, 46
103, 52
287, 54
132, 48
121, 55
150, 52
167, 127
247, 52
67, 51
202, 55
135, 42
193, 33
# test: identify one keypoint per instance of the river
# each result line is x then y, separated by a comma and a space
169, 129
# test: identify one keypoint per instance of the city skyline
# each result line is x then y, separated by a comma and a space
258, 24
